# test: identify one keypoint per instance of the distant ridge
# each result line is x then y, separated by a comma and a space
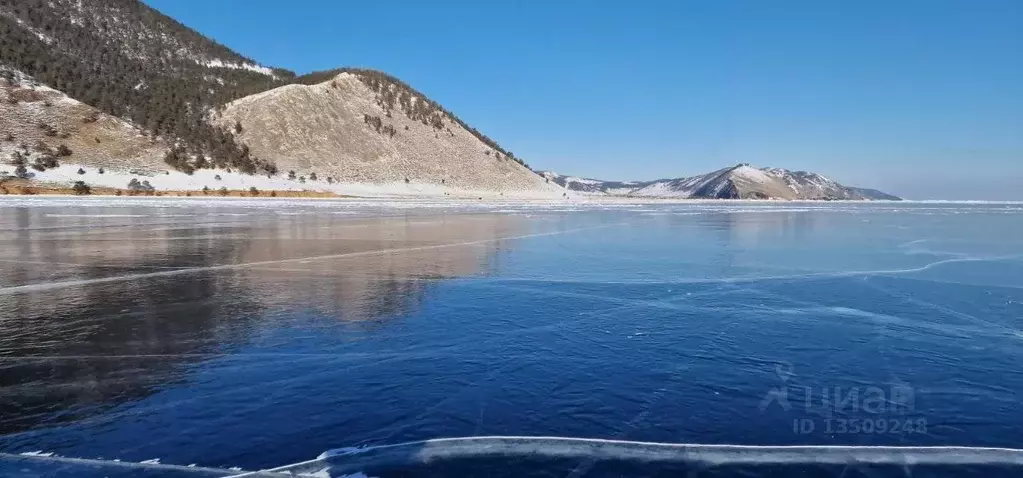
741, 181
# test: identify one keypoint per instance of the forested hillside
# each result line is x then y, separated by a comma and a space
133, 62
116, 84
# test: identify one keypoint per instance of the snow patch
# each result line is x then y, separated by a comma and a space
240, 66
166, 180
752, 174
570, 179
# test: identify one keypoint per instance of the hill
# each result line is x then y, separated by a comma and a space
116, 84
121, 85
43, 128
738, 182
590, 185
132, 62
361, 126
747, 182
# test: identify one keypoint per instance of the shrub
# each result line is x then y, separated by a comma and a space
81, 189
253, 191
101, 171
238, 127
217, 177
136, 186
205, 189
273, 194
81, 171
291, 175
45, 161
312, 176
17, 158
222, 191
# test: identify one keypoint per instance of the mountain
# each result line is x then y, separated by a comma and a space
875, 195
132, 62
738, 182
185, 106
40, 125
113, 91
747, 182
589, 185
365, 126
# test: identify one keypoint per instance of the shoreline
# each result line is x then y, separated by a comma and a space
101, 193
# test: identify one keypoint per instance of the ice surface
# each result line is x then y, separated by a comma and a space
256, 333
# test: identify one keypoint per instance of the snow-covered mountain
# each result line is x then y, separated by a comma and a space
589, 185
738, 182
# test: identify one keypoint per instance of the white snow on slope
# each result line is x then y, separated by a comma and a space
66, 174
660, 189
215, 63
42, 36
571, 179
752, 174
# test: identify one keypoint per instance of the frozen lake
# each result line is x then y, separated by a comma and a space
252, 334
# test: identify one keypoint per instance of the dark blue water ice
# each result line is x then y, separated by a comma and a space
244, 335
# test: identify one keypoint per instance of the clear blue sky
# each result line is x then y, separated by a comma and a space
922, 98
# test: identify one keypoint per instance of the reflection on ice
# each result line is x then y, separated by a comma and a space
93, 318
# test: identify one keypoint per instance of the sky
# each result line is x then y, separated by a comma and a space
920, 98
